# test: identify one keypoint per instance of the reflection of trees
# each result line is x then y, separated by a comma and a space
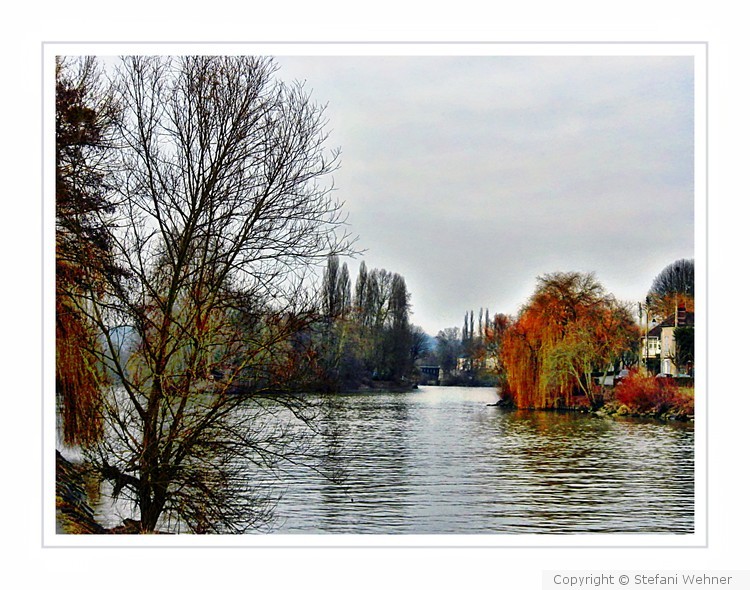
524, 471
585, 475
369, 462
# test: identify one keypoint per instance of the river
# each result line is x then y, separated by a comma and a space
439, 460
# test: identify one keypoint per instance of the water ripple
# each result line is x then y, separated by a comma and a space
440, 461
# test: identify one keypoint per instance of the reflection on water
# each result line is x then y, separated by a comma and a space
439, 460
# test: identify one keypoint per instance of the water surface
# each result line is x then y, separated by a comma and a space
439, 460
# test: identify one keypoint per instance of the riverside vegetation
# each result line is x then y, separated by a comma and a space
200, 295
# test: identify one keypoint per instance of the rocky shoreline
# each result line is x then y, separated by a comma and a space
612, 409
615, 410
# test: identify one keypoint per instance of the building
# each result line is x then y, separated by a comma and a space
659, 347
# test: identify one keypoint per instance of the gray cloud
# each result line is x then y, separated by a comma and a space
471, 176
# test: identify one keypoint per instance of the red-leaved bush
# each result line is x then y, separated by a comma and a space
643, 394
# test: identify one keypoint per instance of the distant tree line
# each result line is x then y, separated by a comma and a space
468, 355
365, 333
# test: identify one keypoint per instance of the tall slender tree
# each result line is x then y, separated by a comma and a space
397, 341
331, 295
344, 289
360, 294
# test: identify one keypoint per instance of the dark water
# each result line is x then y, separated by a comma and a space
438, 460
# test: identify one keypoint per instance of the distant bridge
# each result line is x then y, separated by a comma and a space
430, 373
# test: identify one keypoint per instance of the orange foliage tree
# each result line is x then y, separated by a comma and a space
569, 329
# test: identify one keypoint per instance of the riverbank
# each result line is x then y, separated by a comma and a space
73, 512
678, 406
649, 397
74, 515
669, 414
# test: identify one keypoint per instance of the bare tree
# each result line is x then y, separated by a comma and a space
673, 287
420, 344
678, 277
448, 349
220, 213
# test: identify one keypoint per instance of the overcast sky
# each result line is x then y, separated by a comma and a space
472, 176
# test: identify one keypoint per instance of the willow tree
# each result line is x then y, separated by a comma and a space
569, 330
223, 203
84, 123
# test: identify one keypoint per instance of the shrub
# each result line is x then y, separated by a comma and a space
642, 394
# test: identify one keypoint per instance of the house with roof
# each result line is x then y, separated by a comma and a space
659, 345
